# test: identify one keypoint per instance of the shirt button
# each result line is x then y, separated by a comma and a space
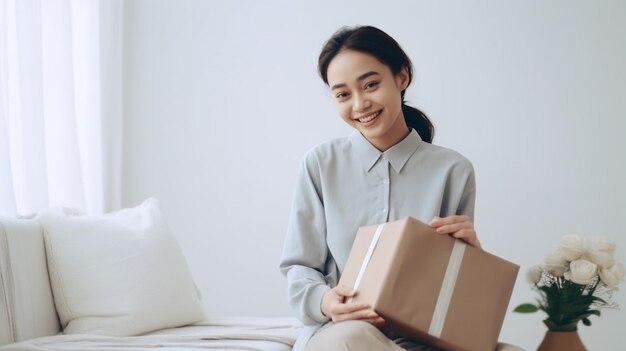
384, 210
385, 181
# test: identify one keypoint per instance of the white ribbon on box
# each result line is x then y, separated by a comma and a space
447, 285
368, 257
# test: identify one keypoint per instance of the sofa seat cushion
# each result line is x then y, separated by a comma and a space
227, 333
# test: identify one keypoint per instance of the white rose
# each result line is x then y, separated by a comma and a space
555, 264
572, 247
601, 258
582, 271
613, 275
533, 276
603, 244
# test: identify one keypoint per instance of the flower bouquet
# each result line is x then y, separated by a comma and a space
574, 282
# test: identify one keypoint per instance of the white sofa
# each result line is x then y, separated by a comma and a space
29, 321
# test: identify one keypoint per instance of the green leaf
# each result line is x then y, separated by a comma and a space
526, 308
591, 312
586, 322
599, 300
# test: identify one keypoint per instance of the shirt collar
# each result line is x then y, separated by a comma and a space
397, 155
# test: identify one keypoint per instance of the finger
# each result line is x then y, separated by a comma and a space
379, 322
435, 221
366, 314
468, 236
439, 221
455, 227
350, 308
343, 290
363, 314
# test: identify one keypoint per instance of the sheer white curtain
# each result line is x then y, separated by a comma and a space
60, 104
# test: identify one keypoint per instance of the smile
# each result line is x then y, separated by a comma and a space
368, 118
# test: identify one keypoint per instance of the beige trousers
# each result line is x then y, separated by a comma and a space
358, 336
362, 336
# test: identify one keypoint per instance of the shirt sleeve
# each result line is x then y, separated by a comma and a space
460, 195
468, 195
306, 262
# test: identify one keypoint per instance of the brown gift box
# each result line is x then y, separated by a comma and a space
403, 283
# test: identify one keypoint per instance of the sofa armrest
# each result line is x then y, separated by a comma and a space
26, 303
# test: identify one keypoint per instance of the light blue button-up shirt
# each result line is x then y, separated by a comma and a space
347, 183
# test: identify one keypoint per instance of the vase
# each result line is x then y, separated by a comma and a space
561, 341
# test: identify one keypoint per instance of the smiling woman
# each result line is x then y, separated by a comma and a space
369, 102
385, 170
389, 57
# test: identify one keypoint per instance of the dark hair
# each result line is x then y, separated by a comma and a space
375, 42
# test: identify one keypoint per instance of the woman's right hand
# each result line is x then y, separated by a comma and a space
335, 307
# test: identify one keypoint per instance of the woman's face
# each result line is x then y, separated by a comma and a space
367, 96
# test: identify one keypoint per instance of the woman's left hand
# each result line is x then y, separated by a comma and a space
460, 227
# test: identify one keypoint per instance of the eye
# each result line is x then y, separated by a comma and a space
371, 85
341, 95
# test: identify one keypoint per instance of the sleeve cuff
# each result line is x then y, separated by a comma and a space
315, 303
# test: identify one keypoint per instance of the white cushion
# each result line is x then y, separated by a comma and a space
120, 273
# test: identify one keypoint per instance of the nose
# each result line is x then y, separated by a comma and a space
361, 103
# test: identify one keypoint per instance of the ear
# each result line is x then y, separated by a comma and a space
402, 78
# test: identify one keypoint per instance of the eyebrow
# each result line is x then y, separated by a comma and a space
360, 78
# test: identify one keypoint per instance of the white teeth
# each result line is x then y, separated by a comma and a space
368, 118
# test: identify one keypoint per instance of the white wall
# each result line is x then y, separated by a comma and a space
222, 99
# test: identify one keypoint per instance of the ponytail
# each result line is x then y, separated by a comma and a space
417, 120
